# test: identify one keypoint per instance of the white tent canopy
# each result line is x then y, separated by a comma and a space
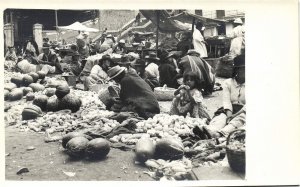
78, 27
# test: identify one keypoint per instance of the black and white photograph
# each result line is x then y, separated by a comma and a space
124, 94
150, 94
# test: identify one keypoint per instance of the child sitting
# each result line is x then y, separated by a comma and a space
188, 98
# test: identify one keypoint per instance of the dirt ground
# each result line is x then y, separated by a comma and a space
49, 162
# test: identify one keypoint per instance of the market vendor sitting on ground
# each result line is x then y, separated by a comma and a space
193, 62
119, 48
135, 94
48, 60
232, 115
150, 74
189, 99
98, 72
11, 54
107, 44
125, 62
167, 71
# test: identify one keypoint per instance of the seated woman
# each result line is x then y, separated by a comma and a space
189, 98
135, 94
167, 72
232, 115
140, 66
98, 73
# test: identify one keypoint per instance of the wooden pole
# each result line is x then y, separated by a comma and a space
157, 16
56, 24
99, 20
193, 25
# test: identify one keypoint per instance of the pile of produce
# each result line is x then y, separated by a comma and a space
165, 125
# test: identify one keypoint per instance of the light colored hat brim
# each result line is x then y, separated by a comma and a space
118, 73
148, 57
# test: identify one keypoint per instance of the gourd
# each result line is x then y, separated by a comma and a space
97, 148
76, 147
62, 90
41, 101
144, 150
16, 94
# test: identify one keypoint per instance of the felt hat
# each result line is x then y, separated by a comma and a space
46, 46
109, 36
122, 41
238, 20
139, 63
124, 60
152, 56
174, 54
239, 61
115, 71
192, 51
9, 47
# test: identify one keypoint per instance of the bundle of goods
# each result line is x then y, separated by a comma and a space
169, 170
165, 125
235, 150
164, 93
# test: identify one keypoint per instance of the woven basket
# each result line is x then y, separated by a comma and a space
164, 93
103, 92
224, 68
236, 158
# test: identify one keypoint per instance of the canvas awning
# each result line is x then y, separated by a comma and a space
77, 27
165, 24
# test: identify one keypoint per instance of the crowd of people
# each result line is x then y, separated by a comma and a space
138, 73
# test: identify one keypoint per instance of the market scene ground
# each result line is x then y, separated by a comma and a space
161, 98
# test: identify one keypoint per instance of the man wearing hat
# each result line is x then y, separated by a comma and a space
11, 54
107, 44
232, 115
48, 61
120, 48
135, 94
151, 69
193, 62
238, 38
125, 62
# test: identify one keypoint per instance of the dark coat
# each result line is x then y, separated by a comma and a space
167, 75
136, 92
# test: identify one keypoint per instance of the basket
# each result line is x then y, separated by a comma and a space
164, 93
213, 62
104, 92
224, 68
236, 158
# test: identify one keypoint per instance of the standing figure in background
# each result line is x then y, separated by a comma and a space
198, 40
83, 49
238, 38
130, 37
185, 43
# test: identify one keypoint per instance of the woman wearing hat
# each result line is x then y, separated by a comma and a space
125, 62
148, 70
238, 38
135, 94
167, 72
232, 115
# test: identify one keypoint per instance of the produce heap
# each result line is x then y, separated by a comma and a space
166, 144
